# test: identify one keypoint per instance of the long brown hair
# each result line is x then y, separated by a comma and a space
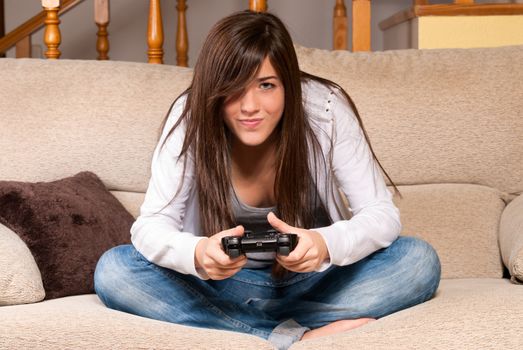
230, 58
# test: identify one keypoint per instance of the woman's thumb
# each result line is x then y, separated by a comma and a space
276, 223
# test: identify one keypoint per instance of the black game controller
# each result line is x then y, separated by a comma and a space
268, 241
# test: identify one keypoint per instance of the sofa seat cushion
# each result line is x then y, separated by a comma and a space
464, 314
83, 322
461, 221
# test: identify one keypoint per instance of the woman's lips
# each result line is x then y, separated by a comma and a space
250, 123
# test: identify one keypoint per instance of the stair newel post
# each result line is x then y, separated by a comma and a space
155, 33
101, 18
182, 43
339, 41
52, 36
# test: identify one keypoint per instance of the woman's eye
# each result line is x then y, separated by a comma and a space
266, 86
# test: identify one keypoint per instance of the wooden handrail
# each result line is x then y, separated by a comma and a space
32, 25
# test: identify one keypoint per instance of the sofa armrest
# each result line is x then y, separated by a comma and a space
511, 239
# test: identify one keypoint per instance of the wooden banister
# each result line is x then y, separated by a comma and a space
52, 36
2, 24
32, 25
23, 47
258, 5
182, 42
361, 25
339, 24
101, 18
155, 33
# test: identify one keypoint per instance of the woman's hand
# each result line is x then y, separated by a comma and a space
210, 257
310, 252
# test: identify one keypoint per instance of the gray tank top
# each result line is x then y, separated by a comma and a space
255, 219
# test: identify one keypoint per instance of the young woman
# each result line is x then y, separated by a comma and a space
256, 144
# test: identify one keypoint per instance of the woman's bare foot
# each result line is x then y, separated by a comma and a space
336, 327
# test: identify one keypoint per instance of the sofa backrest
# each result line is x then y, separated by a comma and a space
436, 116
65, 116
447, 126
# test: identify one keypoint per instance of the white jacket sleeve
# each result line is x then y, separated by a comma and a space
375, 223
158, 232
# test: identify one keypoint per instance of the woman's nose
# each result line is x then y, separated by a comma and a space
249, 103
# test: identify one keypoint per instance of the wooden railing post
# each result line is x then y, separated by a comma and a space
182, 43
155, 33
101, 18
258, 5
339, 29
361, 25
23, 48
52, 37
2, 23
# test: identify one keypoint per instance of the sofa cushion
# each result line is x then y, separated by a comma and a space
20, 279
436, 116
511, 239
461, 221
67, 224
83, 322
465, 314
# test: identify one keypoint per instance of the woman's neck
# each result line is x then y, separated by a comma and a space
250, 162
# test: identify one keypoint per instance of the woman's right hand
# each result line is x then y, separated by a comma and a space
210, 257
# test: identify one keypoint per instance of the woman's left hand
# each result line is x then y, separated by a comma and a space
310, 252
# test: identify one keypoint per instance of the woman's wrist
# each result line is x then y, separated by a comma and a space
199, 251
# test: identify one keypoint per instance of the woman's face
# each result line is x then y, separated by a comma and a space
253, 115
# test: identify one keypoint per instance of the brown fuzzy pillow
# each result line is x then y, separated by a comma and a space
67, 224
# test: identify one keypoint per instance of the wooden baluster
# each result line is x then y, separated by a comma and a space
258, 5
182, 43
101, 18
2, 23
23, 47
361, 25
155, 33
463, 1
52, 37
339, 29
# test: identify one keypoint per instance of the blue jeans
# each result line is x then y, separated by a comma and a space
402, 275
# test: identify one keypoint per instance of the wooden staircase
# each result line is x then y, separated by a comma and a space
52, 9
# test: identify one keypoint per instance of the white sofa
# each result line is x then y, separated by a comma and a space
447, 125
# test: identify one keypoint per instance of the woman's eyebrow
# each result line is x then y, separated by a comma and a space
267, 78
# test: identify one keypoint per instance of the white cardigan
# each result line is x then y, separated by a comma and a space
169, 238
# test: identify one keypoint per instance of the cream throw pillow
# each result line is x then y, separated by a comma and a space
20, 279
511, 239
